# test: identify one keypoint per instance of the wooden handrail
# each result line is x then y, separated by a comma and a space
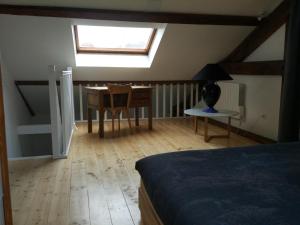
100, 83
7, 209
32, 113
154, 82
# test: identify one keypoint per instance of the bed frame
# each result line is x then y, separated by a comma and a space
148, 213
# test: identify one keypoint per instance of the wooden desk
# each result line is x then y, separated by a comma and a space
98, 99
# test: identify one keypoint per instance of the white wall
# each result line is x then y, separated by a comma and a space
15, 113
262, 97
36, 42
183, 51
30, 44
262, 102
272, 49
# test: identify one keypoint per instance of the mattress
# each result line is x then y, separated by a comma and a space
258, 185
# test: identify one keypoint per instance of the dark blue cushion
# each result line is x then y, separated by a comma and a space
257, 185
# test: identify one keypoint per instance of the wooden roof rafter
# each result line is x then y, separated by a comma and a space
261, 33
254, 68
131, 16
234, 64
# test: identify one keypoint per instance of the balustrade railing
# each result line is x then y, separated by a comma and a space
170, 98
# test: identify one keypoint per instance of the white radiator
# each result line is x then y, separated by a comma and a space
232, 98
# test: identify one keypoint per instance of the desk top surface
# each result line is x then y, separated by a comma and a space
104, 88
199, 112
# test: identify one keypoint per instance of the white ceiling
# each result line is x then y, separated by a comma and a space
29, 44
234, 7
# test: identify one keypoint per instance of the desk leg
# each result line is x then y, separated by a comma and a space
206, 138
229, 127
90, 125
101, 123
101, 115
150, 114
196, 124
137, 122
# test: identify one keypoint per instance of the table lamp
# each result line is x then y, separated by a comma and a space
211, 91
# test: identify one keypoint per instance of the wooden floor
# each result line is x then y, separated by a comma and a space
98, 184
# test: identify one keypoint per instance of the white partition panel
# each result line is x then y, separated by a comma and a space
67, 109
56, 128
69, 69
80, 102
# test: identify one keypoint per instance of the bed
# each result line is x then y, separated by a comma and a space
257, 185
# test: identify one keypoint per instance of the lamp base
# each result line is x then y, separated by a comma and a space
210, 110
211, 94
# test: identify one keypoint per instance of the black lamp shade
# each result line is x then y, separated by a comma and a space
212, 72
211, 91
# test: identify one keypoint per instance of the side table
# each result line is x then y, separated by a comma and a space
198, 112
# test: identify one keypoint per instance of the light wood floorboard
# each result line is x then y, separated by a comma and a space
97, 184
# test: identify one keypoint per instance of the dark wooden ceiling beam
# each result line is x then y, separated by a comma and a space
268, 26
254, 68
133, 16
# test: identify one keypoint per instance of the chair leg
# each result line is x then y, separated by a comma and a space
119, 126
128, 118
113, 123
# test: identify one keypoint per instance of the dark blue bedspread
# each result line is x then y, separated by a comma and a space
257, 185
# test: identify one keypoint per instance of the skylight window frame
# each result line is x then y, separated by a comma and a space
125, 51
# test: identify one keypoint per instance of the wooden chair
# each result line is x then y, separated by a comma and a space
120, 97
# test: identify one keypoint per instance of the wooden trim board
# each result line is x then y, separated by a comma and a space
4, 162
130, 51
30, 158
148, 213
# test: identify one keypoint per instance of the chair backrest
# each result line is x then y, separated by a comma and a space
120, 95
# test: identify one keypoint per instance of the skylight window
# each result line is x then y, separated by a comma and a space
116, 40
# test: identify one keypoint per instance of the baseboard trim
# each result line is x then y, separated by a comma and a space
244, 133
31, 157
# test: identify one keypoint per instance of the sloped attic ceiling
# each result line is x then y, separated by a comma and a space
234, 7
30, 44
